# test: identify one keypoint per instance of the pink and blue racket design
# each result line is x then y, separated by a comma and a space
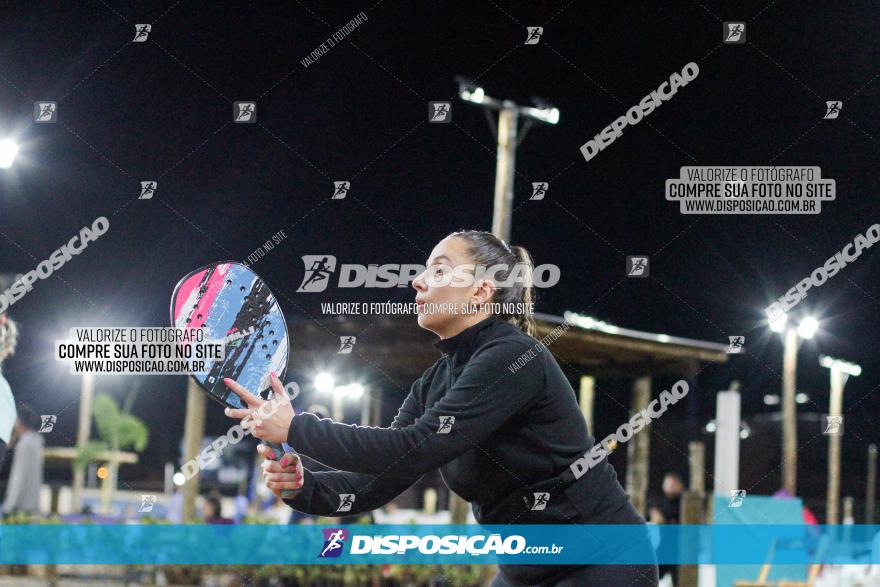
231, 303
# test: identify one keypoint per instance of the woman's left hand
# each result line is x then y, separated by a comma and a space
267, 420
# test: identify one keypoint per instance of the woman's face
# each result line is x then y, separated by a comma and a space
445, 297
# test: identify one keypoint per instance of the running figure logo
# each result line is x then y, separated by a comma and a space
734, 33
141, 32
832, 109
346, 500
446, 423
45, 112
244, 112
346, 345
440, 112
736, 344
318, 271
541, 500
334, 540
47, 423
637, 266
340, 189
539, 190
533, 34
147, 503
148, 189
832, 425
737, 496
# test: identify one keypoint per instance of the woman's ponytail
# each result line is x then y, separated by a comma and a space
516, 299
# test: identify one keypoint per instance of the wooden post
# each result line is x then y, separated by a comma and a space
430, 499
832, 503
692, 508
697, 461
83, 433
871, 490
459, 508
638, 449
789, 412
691, 513
586, 395
193, 433
504, 173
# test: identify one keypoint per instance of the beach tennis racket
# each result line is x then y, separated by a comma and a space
230, 302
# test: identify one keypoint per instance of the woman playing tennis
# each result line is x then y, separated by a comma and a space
503, 438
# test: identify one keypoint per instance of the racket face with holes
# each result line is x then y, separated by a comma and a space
231, 303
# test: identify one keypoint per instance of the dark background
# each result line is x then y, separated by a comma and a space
162, 110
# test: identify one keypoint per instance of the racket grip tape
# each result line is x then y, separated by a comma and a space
279, 454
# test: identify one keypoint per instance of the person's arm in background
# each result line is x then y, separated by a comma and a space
483, 398
320, 492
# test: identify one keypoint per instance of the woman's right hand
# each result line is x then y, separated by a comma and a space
281, 475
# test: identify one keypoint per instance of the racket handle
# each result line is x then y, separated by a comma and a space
279, 453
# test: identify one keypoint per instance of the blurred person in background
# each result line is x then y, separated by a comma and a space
26, 476
212, 511
673, 487
8, 414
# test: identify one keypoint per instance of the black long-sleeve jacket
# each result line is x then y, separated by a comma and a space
517, 428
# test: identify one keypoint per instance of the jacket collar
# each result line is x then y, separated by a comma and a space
463, 342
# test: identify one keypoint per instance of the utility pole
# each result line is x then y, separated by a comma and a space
840, 372
508, 137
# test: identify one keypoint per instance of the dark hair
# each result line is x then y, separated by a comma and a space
214, 502
487, 250
674, 475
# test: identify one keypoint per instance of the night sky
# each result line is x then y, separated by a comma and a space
162, 110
